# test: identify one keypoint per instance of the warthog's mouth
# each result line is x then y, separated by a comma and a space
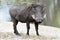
37, 19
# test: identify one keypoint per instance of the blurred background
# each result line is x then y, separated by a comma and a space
52, 10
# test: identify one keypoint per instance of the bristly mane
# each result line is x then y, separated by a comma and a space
32, 6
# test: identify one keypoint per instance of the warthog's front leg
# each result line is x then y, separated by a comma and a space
28, 27
36, 27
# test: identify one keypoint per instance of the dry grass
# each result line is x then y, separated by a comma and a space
12, 36
46, 32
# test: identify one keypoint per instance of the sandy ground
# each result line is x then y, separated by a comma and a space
46, 32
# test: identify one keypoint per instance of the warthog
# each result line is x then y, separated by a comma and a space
30, 14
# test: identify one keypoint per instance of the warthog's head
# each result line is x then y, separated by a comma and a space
39, 14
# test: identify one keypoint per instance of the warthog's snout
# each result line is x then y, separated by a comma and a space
39, 20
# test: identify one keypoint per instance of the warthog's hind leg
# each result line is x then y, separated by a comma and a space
15, 22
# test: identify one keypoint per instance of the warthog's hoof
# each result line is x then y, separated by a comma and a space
28, 34
37, 34
16, 33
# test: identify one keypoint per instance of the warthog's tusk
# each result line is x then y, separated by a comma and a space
34, 17
45, 16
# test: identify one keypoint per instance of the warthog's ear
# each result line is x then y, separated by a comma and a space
33, 5
43, 9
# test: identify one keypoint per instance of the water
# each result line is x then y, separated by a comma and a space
4, 14
4, 10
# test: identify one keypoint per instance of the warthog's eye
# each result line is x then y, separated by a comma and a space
34, 10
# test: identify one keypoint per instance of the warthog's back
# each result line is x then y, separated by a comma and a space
15, 10
20, 13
